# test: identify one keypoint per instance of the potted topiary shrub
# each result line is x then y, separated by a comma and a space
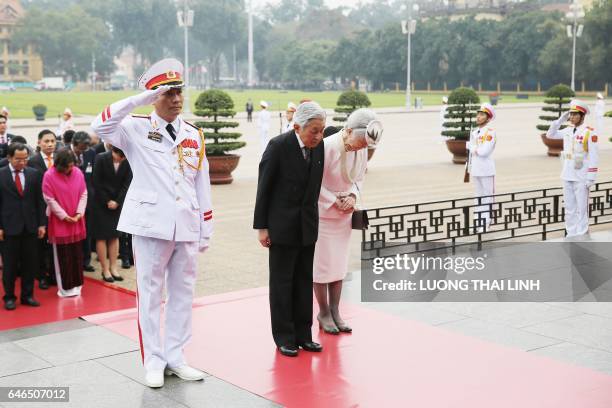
216, 105
557, 99
461, 114
40, 111
348, 102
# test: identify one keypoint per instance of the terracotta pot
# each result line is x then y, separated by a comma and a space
555, 146
458, 149
371, 153
221, 168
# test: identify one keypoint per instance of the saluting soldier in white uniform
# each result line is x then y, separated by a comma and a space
482, 166
580, 159
263, 125
167, 209
291, 108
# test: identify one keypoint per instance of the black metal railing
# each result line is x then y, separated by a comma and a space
452, 223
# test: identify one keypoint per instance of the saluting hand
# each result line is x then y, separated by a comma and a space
148, 97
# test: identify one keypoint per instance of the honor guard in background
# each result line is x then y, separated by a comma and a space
600, 110
167, 209
263, 125
482, 166
580, 159
66, 123
291, 108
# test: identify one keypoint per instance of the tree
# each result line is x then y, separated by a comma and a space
557, 99
348, 102
462, 107
219, 24
149, 26
66, 41
217, 104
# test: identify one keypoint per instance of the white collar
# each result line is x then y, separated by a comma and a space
13, 169
44, 156
161, 123
302, 145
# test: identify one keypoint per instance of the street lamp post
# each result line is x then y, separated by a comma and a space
574, 31
409, 27
250, 82
185, 20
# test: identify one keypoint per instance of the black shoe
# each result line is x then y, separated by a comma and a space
117, 278
289, 351
89, 268
29, 301
109, 279
10, 304
311, 346
43, 284
125, 264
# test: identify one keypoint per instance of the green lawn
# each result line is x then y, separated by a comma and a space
89, 103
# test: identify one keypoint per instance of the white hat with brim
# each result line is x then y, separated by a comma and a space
168, 71
578, 106
488, 109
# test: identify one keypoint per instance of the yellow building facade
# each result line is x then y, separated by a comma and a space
16, 64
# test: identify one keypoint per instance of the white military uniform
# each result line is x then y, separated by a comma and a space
580, 159
600, 110
289, 125
168, 210
263, 126
482, 171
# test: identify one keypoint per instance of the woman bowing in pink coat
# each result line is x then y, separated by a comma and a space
346, 159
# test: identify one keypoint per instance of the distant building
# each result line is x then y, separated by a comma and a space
16, 64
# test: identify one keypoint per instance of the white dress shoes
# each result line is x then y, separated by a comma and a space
185, 372
155, 378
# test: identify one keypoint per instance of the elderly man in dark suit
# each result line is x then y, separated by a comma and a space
287, 220
22, 224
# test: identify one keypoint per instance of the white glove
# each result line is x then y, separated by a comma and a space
564, 117
148, 97
590, 183
203, 245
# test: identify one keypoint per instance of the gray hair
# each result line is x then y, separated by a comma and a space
360, 119
308, 111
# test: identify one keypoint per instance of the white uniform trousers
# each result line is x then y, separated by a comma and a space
576, 198
485, 186
155, 260
264, 138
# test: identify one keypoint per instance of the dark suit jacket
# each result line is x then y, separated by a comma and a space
111, 185
288, 192
99, 148
37, 162
4, 146
21, 214
89, 159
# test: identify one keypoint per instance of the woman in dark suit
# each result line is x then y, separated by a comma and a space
111, 179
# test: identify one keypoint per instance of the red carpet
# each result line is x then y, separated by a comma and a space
387, 362
96, 297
